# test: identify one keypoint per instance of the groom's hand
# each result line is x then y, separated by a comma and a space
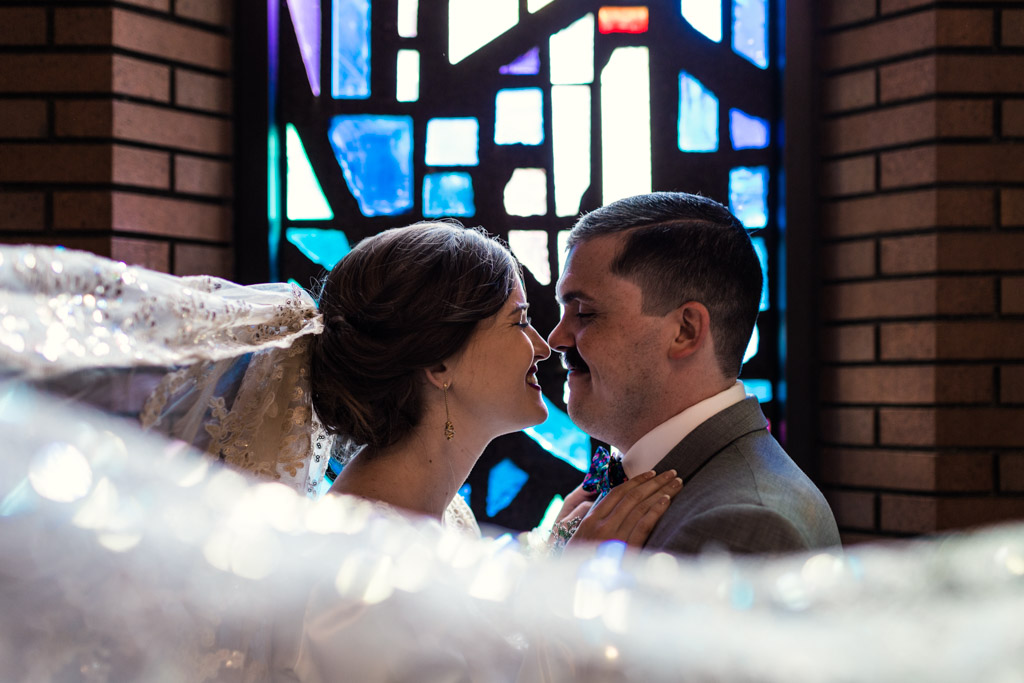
629, 511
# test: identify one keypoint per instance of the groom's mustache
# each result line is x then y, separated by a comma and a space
571, 360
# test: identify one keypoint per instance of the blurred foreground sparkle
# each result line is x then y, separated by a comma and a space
60, 472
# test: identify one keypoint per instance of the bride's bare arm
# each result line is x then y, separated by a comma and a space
629, 511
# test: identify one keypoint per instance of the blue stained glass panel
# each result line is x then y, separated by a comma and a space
375, 155
748, 195
698, 116
453, 142
526, 64
466, 491
762, 255
323, 247
519, 116
448, 194
350, 49
761, 388
561, 438
705, 16
504, 482
750, 30
746, 131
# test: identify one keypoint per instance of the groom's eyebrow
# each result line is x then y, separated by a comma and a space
575, 295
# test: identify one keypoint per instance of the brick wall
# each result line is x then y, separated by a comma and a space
116, 129
922, 260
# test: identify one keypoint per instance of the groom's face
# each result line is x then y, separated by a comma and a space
613, 351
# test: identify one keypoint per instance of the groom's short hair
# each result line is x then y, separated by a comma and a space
680, 247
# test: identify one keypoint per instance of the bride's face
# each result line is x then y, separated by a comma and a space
494, 379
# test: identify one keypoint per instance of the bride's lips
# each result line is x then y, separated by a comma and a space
531, 378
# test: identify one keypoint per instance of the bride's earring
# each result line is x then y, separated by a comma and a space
449, 428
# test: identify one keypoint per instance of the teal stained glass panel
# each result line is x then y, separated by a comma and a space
759, 388
754, 345
453, 142
519, 116
746, 131
748, 195
350, 49
375, 155
560, 437
705, 16
698, 116
448, 194
750, 30
323, 247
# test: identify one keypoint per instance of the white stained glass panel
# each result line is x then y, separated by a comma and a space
408, 11
526, 193
750, 30
626, 124
705, 16
453, 142
472, 24
407, 84
306, 200
519, 116
572, 53
754, 345
570, 126
563, 255
531, 248
534, 5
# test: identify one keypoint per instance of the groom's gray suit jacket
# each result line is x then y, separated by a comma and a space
741, 492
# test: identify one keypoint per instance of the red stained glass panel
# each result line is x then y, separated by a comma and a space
622, 20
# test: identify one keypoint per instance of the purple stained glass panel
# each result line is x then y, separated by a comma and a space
526, 64
306, 20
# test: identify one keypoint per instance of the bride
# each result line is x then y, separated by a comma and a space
421, 351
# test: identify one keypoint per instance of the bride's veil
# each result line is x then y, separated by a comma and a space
220, 366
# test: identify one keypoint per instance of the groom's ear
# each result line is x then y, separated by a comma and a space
692, 327
437, 375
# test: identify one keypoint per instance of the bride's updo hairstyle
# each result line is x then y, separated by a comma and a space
399, 302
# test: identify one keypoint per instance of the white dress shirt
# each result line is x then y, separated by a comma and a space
655, 444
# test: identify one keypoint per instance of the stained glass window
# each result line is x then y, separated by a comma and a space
453, 142
375, 155
698, 116
350, 49
705, 16
519, 116
448, 194
622, 20
746, 131
383, 114
407, 76
526, 193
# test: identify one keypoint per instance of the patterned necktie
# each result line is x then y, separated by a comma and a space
605, 473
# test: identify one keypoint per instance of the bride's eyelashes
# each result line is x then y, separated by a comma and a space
525, 322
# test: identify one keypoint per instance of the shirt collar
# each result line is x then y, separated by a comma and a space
655, 444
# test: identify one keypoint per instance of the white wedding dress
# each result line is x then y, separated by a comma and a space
134, 555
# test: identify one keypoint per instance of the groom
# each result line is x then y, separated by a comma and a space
660, 295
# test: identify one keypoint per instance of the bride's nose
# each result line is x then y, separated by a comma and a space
541, 350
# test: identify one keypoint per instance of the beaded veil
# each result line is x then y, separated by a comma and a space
221, 366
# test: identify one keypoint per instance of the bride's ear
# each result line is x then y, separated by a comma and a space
438, 375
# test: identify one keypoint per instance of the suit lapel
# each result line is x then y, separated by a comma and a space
711, 436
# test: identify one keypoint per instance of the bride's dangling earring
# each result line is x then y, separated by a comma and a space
449, 428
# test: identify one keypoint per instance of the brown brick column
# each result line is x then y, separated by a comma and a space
116, 130
922, 382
